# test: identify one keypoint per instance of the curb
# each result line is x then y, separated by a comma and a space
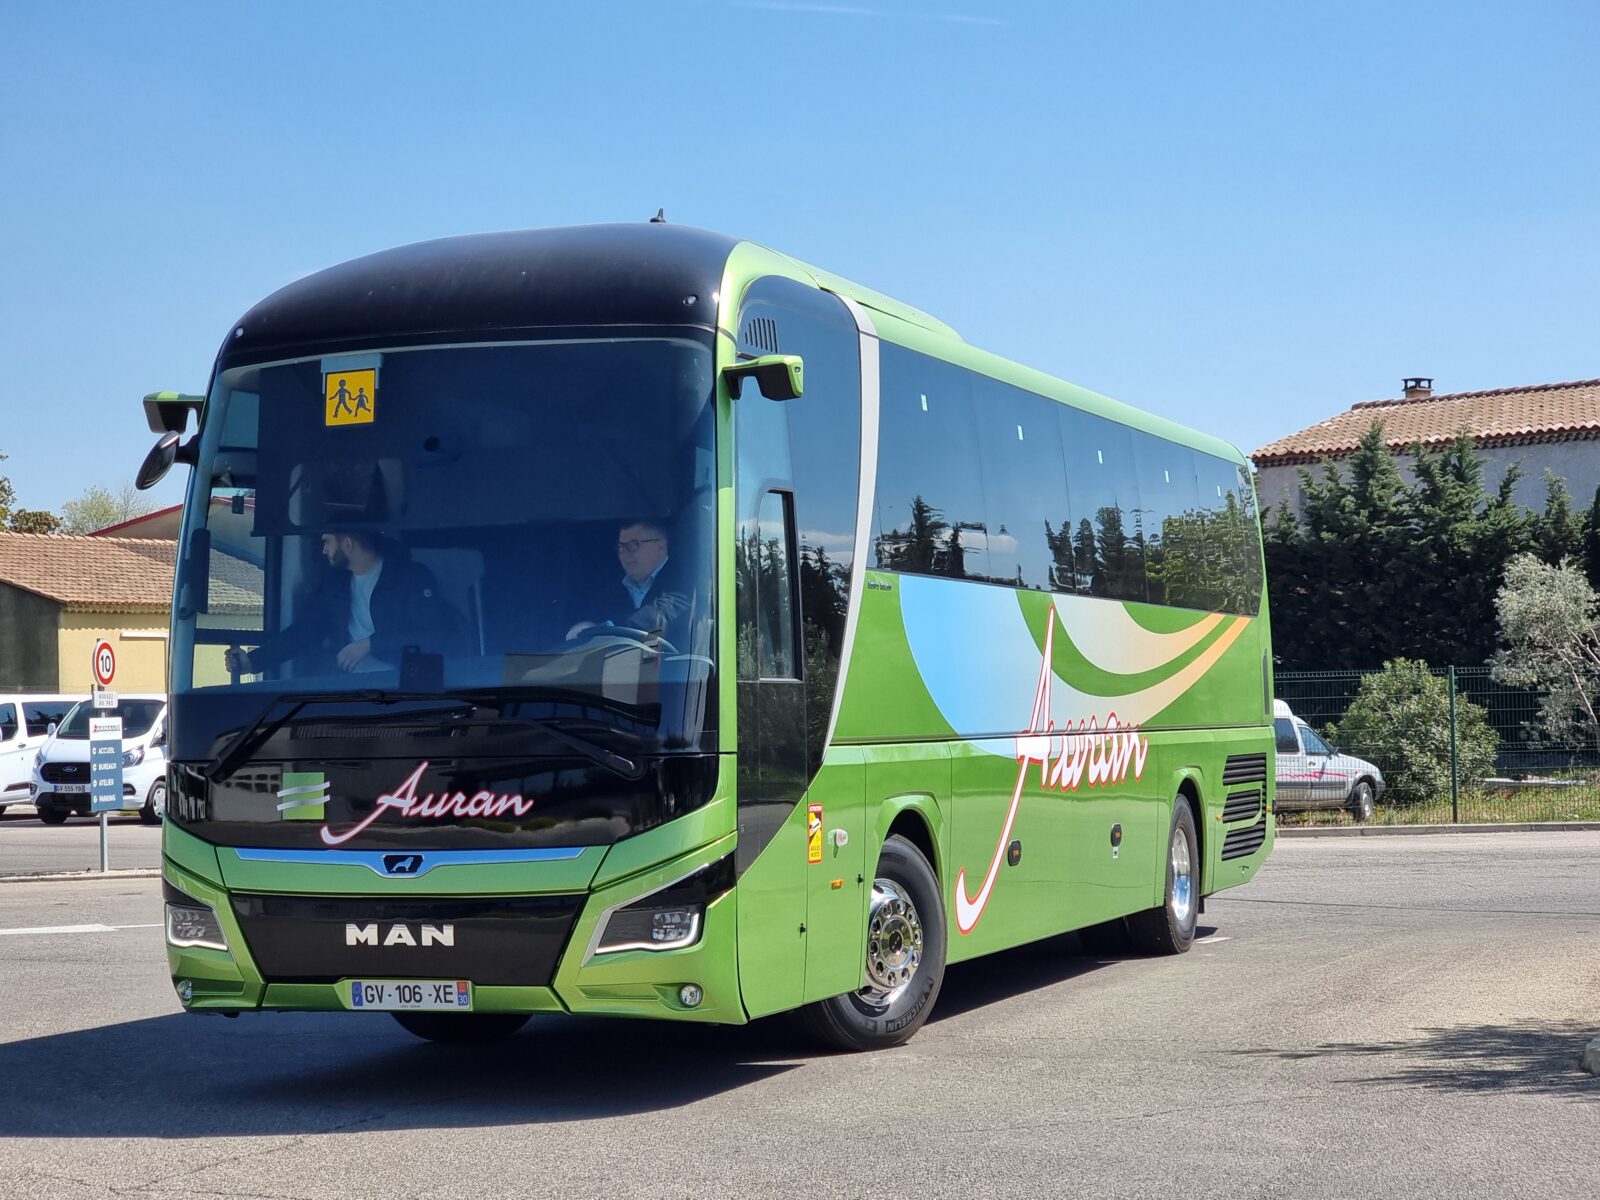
1415, 830
58, 876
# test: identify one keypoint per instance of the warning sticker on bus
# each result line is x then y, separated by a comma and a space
814, 833
349, 397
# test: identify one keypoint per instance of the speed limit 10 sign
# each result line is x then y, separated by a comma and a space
105, 663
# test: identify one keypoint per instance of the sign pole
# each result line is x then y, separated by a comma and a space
105, 843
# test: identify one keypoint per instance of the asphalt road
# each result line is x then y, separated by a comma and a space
30, 847
1383, 1017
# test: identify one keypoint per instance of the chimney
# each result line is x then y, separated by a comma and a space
1418, 388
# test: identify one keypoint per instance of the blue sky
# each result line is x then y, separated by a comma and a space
1246, 216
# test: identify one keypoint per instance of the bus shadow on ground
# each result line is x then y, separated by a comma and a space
1528, 1057
188, 1076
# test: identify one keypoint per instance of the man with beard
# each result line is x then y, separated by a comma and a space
366, 609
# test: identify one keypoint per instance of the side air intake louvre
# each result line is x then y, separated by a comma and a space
1244, 768
1242, 806
762, 333
1241, 842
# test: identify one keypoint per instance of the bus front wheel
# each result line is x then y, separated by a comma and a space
461, 1028
1169, 929
905, 946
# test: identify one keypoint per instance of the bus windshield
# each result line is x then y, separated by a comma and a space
533, 520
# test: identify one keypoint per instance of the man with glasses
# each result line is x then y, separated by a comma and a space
654, 601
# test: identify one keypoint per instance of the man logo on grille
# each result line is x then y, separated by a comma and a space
402, 864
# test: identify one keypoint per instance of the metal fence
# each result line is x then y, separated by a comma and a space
1533, 778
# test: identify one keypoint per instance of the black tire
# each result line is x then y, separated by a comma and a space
1169, 929
51, 815
461, 1028
1362, 801
1109, 939
155, 804
2, 810
907, 908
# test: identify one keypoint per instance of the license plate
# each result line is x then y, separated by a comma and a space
410, 995
73, 788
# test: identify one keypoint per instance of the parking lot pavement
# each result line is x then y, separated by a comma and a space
1371, 1018
30, 847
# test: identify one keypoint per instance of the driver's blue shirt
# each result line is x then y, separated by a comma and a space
637, 592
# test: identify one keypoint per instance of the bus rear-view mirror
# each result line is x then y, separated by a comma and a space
779, 376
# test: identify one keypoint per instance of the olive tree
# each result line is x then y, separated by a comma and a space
1400, 719
1551, 629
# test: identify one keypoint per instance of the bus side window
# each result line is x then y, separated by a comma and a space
767, 563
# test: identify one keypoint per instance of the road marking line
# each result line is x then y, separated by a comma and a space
74, 929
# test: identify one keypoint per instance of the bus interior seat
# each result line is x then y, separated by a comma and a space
459, 576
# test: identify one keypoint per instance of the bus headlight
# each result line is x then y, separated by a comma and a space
191, 922
668, 918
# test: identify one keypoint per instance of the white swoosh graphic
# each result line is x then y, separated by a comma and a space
1112, 640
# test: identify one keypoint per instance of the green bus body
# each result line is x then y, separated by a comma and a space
1031, 741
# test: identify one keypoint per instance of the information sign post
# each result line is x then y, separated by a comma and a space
105, 748
105, 776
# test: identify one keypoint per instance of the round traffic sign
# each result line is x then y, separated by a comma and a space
105, 663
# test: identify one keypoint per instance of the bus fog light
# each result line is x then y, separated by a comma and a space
185, 990
690, 995
194, 925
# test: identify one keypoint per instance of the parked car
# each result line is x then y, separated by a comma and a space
1315, 775
61, 769
26, 720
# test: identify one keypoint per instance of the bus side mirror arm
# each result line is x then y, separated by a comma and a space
779, 376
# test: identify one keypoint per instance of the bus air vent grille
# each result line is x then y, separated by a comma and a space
762, 334
1242, 806
1244, 768
1241, 842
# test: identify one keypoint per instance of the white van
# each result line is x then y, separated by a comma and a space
61, 771
25, 721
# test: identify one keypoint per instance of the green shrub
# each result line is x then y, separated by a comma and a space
1400, 720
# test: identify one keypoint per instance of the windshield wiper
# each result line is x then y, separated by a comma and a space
252, 736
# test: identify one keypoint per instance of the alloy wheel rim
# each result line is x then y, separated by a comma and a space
894, 944
1182, 879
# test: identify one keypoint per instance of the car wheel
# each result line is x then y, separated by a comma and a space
51, 815
1169, 929
155, 804
1361, 801
461, 1028
904, 961
2, 810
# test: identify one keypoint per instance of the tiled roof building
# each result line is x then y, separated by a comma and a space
1552, 426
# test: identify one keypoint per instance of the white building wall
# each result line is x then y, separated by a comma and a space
1578, 463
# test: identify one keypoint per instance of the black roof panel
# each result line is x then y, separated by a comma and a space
490, 285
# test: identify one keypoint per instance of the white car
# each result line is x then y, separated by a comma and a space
1313, 774
26, 719
61, 770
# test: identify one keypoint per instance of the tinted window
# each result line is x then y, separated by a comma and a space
8, 722
1284, 729
1232, 542
931, 514
42, 714
1103, 494
1029, 528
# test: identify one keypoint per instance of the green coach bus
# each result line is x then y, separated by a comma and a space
939, 655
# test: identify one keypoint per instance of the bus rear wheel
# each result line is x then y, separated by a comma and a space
461, 1028
1169, 929
904, 960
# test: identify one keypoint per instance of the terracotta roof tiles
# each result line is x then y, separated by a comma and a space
124, 574
1503, 417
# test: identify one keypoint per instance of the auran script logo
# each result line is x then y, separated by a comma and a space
399, 935
438, 807
1067, 759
